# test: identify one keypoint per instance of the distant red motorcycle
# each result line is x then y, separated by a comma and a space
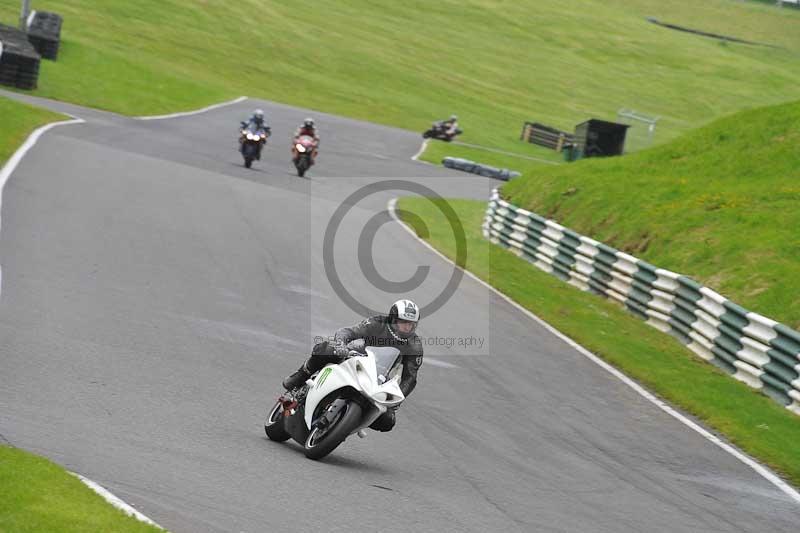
304, 150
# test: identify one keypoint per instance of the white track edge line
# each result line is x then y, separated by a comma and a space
115, 501
17, 156
421, 150
415, 157
762, 470
195, 112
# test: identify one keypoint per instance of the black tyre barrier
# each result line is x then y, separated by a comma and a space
476, 168
44, 33
19, 61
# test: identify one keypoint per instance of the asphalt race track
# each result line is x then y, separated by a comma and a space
155, 292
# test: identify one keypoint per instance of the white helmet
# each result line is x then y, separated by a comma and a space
404, 310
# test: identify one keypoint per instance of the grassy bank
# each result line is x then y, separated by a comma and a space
718, 204
18, 121
750, 420
38, 496
496, 63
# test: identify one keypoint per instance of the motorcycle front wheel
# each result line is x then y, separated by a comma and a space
273, 426
302, 165
322, 442
249, 154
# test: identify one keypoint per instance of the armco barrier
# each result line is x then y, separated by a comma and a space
19, 62
476, 168
754, 349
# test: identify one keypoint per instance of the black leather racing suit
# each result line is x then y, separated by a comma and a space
255, 123
375, 332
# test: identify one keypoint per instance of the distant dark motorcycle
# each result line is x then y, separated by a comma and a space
303, 150
251, 141
441, 132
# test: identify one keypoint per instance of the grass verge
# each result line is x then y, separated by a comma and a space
19, 120
39, 495
495, 63
519, 161
750, 420
718, 204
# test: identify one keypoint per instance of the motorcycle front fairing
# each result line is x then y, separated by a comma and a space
360, 374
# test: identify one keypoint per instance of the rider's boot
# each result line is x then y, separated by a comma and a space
297, 379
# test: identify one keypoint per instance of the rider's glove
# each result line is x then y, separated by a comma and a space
340, 350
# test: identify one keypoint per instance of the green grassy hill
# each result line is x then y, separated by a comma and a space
719, 204
495, 63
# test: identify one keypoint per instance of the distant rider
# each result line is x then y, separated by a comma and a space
450, 126
306, 128
257, 123
397, 330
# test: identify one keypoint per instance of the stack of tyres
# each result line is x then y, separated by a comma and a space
8, 73
19, 61
44, 33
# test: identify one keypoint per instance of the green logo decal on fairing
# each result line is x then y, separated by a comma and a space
323, 377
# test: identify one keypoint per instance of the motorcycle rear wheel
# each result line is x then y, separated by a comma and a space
302, 165
273, 427
318, 446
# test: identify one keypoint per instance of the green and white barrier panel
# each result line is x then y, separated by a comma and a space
754, 349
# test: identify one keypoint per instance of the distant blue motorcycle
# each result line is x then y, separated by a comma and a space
252, 139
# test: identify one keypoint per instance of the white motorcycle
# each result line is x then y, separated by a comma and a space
339, 400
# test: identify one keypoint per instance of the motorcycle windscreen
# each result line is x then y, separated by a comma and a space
387, 361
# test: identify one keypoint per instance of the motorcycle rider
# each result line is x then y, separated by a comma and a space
257, 122
397, 330
306, 128
450, 125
